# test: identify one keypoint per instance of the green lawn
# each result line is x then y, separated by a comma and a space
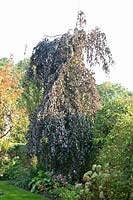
13, 193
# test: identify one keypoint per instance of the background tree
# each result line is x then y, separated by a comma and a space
10, 91
111, 175
31, 92
3, 62
115, 102
117, 153
110, 91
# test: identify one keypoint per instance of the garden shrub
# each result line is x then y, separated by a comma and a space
118, 152
107, 116
67, 193
94, 184
52, 186
16, 166
47, 181
114, 153
104, 183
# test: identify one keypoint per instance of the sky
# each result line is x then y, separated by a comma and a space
25, 22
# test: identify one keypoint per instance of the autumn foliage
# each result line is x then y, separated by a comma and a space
11, 114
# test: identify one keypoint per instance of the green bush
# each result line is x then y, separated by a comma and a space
109, 113
4, 156
118, 152
41, 182
115, 101
18, 176
113, 142
107, 117
104, 183
68, 193
46, 181
14, 171
15, 165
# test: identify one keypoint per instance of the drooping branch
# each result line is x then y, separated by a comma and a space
5, 134
98, 51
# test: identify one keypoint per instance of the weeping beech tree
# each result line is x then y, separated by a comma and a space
60, 133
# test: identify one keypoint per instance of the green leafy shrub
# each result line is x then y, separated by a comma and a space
14, 171
118, 152
103, 183
41, 182
67, 193
4, 156
116, 101
16, 166
94, 186
107, 116
18, 175
4, 160
46, 181
4, 144
114, 181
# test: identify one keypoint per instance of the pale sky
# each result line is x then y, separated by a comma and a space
27, 21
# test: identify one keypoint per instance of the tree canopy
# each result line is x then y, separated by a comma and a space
60, 131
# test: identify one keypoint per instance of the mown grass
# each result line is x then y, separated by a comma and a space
13, 193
